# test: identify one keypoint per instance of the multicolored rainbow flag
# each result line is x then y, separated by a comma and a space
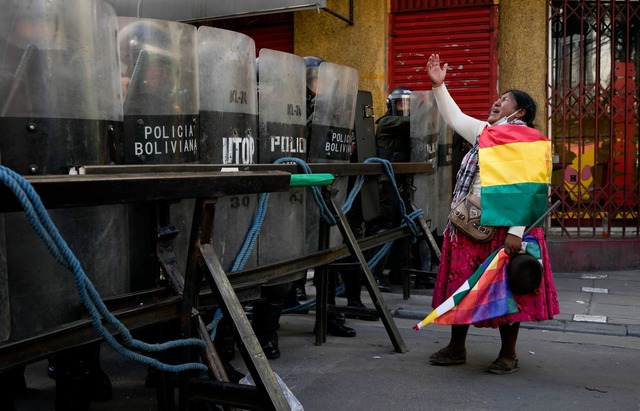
515, 171
485, 294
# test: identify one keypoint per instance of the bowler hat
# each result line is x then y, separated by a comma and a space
524, 273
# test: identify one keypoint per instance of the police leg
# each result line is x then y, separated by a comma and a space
335, 321
352, 279
79, 378
13, 384
266, 318
299, 289
352, 286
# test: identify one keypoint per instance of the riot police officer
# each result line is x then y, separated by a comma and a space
298, 292
393, 140
335, 321
393, 133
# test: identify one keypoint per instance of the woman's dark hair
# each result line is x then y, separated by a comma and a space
525, 102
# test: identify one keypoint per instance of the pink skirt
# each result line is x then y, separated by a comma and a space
461, 256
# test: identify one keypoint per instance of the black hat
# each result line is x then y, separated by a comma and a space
524, 273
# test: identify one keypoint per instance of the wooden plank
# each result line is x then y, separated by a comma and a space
248, 344
370, 281
103, 189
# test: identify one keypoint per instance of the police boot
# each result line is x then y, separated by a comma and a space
363, 313
79, 378
336, 327
224, 342
266, 316
300, 290
13, 383
292, 305
73, 386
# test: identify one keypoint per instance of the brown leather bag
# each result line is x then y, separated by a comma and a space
466, 218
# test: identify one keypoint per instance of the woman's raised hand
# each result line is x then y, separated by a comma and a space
435, 72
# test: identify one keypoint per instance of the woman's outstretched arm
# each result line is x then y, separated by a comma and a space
468, 127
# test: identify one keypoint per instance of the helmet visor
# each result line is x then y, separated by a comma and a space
400, 105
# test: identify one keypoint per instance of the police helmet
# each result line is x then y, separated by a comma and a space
399, 95
34, 23
313, 65
142, 35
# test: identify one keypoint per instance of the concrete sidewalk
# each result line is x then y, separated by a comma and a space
606, 302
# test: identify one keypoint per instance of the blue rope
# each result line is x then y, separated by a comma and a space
212, 327
252, 235
327, 216
41, 222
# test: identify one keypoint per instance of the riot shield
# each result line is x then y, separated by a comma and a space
334, 114
331, 133
61, 109
440, 214
228, 115
424, 129
160, 87
282, 122
228, 96
364, 130
282, 99
158, 64
59, 84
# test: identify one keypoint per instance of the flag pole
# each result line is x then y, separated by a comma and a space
543, 216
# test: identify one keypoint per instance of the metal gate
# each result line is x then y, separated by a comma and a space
593, 117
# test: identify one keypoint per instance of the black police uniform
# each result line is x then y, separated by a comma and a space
393, 141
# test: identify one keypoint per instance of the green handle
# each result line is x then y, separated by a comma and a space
306, 180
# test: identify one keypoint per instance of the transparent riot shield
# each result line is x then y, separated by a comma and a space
331, 133
445, 176
282, 125
160, 86
229, 107
334, 114
59, 86
158, 64
364, 130
228, 116
282, 100
60, 109
424, 130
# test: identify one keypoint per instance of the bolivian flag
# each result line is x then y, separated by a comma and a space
515, 172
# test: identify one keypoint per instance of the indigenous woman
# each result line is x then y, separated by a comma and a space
510, 120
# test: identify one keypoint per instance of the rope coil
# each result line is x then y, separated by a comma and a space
327, 216
43, 225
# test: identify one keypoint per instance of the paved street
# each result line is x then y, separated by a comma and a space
588, 358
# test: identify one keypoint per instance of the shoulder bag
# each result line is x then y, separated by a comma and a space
466, 218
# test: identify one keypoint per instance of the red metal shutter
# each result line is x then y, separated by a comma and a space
271, 31
464, 36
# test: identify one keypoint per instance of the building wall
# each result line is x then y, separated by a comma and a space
522, 51
362, 45
522, 48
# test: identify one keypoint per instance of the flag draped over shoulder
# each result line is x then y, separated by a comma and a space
485, 294
515, 172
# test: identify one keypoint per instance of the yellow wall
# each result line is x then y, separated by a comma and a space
522, 51
362, 45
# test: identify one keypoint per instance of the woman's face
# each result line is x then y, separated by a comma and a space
503, 107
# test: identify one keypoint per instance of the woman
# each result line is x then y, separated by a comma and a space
461, 256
